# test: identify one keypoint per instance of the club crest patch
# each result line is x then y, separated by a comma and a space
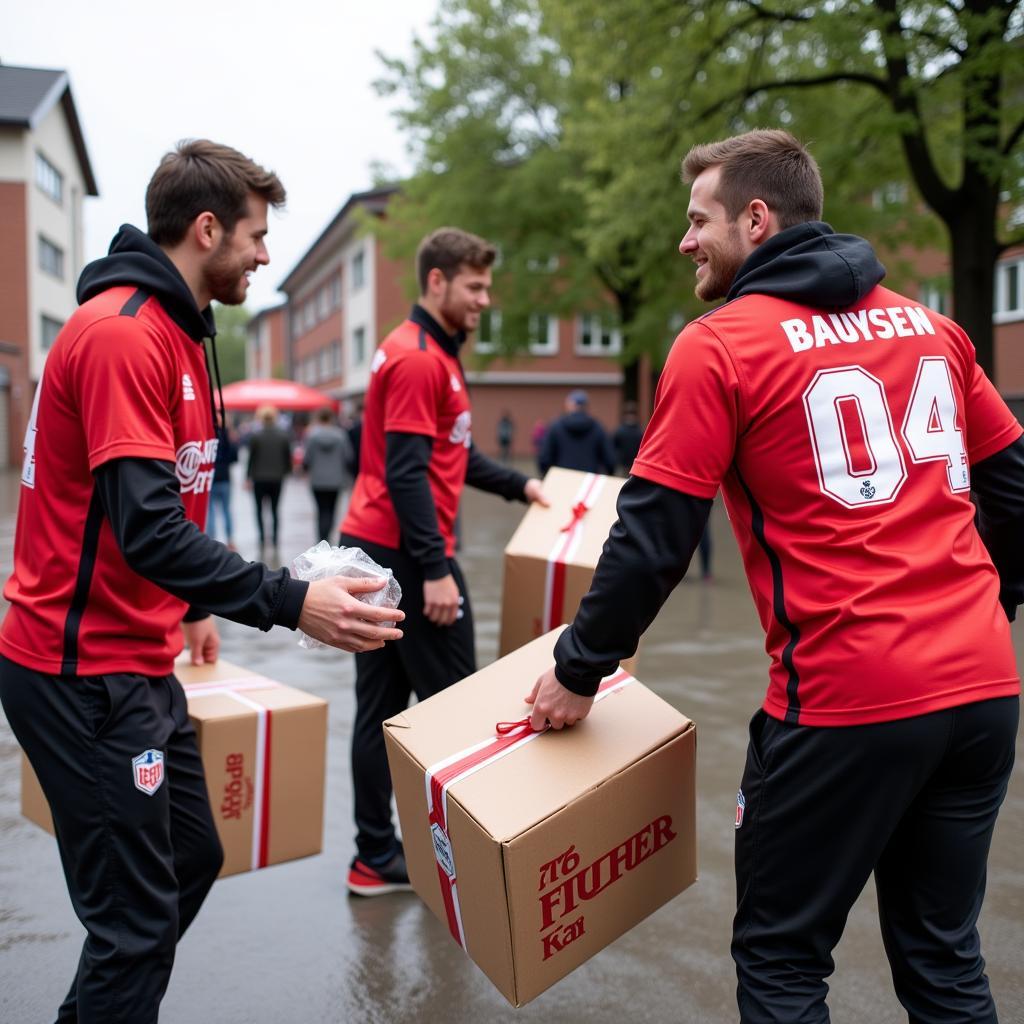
148, 771
741, 806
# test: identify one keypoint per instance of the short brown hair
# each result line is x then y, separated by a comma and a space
199, 176
767, 164
449, 249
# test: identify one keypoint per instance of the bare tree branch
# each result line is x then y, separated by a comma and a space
1013, 138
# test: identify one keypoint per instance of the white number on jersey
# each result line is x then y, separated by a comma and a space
856, 451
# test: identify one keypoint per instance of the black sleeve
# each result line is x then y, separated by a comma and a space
546, 456
646, 555
998, 486
142, 501
487, 475
406, 457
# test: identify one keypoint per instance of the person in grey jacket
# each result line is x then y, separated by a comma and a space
270, 461
326, 459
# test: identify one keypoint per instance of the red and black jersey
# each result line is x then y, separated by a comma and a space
842, 442
122, 380
416, 387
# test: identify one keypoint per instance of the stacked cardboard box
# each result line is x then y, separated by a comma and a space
535, 850
264, 748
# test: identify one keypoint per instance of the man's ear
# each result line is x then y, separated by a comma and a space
761, 221
207, 231
436, 281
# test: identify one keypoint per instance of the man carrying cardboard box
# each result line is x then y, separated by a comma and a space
416, 455
110, 554
846, 426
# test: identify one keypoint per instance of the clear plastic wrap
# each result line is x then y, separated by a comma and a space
322, 560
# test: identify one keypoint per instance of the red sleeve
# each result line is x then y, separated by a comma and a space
990, 424
691, 439
412, 393
121, 378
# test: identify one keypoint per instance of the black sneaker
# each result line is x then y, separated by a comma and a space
364, 880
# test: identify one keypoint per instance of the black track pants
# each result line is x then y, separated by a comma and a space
137, 865
326, 503
914, 801
427, 659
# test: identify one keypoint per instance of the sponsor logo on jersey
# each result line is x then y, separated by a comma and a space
456, 383
860, 325
741, 806
193, 465
148, 771
379, 359
188, 392
461, 432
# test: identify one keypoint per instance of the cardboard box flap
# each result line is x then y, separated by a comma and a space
541, 529
530, 783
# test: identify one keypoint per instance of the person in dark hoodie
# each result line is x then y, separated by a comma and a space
846, 426
327, 455
417, 454
576, 440
110, 557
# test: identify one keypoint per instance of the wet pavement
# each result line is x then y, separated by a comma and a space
286, 944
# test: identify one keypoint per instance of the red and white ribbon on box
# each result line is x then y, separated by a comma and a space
565, 549
442, 776
235, 688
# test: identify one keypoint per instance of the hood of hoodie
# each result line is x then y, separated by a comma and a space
328, 437
135, 259
812, 265
579, 423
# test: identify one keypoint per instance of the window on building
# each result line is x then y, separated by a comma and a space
598, 336
51, 258
542, 334
48, 330
895, 193
1010, 289
335, 287
323, 301
488, 332
935, 296
358, 270
324, 359
296, 320
359, 346
49, 179
335, 359
309, 313
548, 265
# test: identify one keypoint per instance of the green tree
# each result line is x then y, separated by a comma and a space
232, 337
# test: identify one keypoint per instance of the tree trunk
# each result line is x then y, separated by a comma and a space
974, 250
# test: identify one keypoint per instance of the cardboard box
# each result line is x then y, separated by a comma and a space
536, 850
264, 750
550, 560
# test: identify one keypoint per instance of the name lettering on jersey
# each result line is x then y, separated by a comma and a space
861, 325
379, 359
193, 465
188, 392
461, 432
456, 383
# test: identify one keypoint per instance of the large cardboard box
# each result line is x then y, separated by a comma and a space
550, 560
264, 751
536, 850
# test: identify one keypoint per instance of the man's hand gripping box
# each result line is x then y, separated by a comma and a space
264, 749
536, 850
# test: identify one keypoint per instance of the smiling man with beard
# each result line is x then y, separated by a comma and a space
416, 455
110, 557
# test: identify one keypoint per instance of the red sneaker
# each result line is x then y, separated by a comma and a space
364, 880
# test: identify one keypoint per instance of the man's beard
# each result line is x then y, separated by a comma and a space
225, 278
722, 267
456, 315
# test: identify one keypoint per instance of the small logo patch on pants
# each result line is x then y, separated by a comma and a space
741, 805
148, 770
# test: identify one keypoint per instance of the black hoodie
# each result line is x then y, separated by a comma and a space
650, 547
141, 498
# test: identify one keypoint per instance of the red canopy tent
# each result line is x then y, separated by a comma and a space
285, 395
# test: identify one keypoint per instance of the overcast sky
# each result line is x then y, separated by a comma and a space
287, 83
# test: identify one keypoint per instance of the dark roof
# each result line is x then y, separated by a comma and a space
28, 94
374, 199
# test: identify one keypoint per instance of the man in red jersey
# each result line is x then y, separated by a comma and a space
416, 454
110, 556
846, 426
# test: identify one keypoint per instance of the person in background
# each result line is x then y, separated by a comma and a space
112, 569
220, 489
326, 458
627, 437
417, 456
270, 461
506, 433
847, 428
576, 440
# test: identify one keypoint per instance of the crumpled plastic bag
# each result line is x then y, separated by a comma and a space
322, 560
